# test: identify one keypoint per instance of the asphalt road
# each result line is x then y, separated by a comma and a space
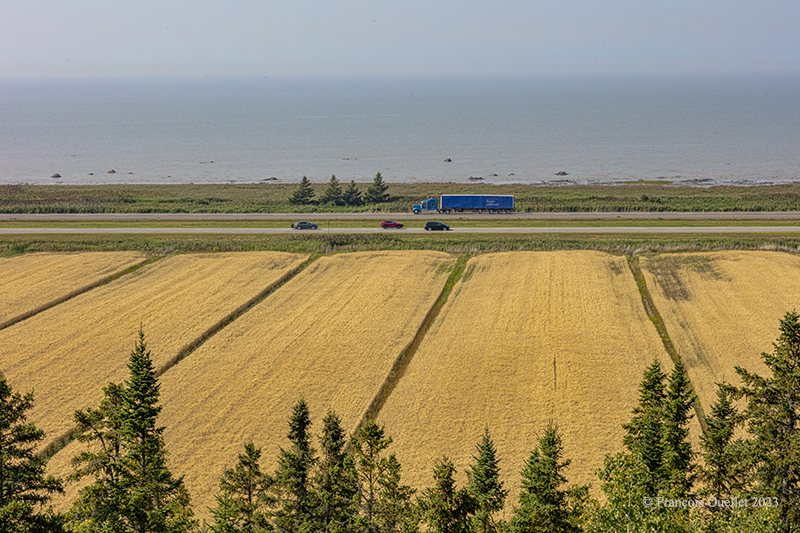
278, 231
782, 215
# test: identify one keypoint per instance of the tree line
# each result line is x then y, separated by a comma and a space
335, 195
745, 477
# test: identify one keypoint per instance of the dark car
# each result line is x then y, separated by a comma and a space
434, 225
391, 224
304, 225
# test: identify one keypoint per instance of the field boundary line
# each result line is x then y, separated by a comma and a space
407, 354
233, 315
661, 328
60, 443
78, 292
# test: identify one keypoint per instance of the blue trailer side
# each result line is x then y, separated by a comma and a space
492, 203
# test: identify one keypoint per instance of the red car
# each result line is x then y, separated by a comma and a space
391, 224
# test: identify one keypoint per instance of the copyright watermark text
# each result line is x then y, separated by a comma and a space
712, 502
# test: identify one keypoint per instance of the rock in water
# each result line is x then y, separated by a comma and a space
56, 175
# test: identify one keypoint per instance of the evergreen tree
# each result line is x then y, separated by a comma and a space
367, 445
293, 479
678, 455
336, 482
333, 193
394, 511
543, 505
303, 194
376, 193
445, 508
644, 436
773, 419
133, 490
242, 506
352, 196
485, 485
24, 488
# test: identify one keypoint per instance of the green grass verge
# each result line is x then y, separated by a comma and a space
274, 198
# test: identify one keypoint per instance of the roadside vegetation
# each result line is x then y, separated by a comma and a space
327, 482
379, 196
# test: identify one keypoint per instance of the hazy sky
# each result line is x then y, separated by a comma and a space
77, 38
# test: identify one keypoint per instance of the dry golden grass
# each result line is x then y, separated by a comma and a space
721, 309
523, 339
330, 335
30, 281
68, 353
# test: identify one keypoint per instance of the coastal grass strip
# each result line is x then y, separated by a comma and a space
404, 358
78, 292
58, 444
661, 328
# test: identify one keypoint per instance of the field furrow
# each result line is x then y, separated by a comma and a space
330, 335
722, 309
68, 353
29, 281
526, 337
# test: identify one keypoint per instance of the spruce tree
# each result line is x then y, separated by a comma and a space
333, 193
445, 508
678, 458
352, 196
722, 474
24, 487
336, 483
644, 436
485, 485
293, 478
544, 505
376, 193
244, 502
133, 489
394, 509
303, 194
367, 445
773, 421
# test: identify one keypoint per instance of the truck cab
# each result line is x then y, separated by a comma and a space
431, 204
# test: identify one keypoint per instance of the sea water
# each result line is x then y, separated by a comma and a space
680, 129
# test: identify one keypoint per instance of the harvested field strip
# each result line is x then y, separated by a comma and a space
331, 334
404, 359
722, 309
658, 322
68, 353
31, 283
526, 337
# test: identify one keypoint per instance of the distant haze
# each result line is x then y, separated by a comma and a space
109, 38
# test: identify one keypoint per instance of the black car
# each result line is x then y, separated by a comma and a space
434, 225
304, 225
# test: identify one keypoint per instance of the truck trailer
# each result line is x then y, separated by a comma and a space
459, 203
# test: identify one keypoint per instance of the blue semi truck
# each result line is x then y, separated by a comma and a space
458, 203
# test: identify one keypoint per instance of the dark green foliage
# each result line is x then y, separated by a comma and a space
485, 485
336, 481
376, 193
367, 446
333, 193
445, 508
243, 505
293, 487
544, 505
644, 437
303, 194
352, 196
773, 419
24, 487
678, 464
132, 490
394, 510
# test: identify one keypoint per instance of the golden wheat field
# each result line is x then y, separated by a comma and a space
330, 335
68, 353
722, 309
526, 337
29, 281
